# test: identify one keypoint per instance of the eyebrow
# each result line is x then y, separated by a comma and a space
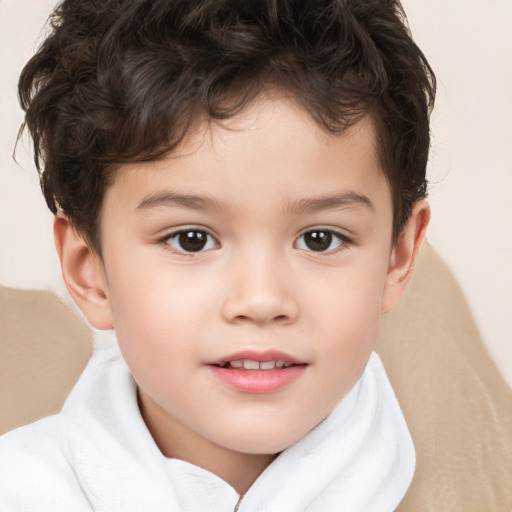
338, 201
300, 206
190, 201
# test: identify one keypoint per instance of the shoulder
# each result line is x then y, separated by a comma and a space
95, 454
35, 473
39, 440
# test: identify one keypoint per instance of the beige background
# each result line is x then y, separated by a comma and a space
469, 45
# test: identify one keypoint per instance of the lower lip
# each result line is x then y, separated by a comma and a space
258, 381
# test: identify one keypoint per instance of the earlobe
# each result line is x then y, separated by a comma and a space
404, 254
83, 273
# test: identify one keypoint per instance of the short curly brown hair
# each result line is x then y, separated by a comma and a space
124, 80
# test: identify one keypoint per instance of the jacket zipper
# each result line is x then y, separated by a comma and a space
239, 502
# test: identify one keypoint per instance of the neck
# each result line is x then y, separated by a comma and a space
240, 470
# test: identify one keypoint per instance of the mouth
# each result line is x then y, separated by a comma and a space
250, 364
258, 372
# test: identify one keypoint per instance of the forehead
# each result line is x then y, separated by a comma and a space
272, 149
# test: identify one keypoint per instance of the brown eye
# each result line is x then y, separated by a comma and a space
320, 240
191, 240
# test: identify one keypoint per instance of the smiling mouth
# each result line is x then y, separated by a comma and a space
258, 371
255, 376
249, 364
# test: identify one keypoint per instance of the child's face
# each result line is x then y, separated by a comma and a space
284, 255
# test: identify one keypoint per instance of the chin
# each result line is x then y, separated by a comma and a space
263, 442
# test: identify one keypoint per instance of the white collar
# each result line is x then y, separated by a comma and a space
360, 458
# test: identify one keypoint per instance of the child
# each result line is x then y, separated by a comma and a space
239, 192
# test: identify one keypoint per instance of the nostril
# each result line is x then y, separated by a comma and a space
259, 309
278, 319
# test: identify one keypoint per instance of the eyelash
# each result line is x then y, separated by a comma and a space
343, 241
176, 234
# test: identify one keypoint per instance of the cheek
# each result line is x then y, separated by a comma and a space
158, 329
348, 317
156, 308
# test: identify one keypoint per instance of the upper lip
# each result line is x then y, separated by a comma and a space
257, 355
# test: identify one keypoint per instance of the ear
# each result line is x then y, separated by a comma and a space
403, 254
83, 273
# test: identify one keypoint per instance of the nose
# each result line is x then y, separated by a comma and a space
259, 292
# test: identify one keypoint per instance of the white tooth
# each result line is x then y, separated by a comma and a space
287, 364
267, 365
236, 364
251, 365
279, 364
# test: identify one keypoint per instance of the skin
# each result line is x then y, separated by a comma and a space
256, 285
